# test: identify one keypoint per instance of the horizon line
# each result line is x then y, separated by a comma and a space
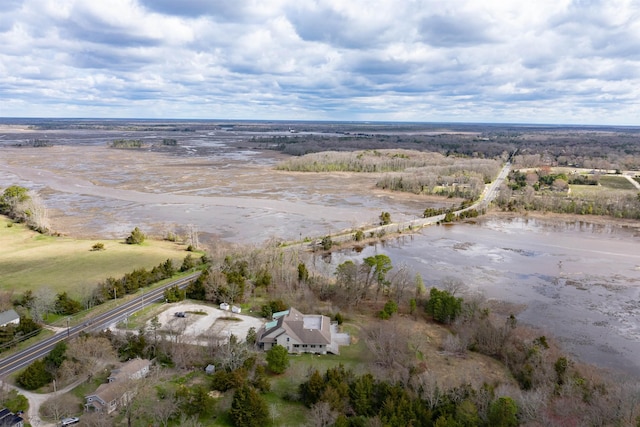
387, 122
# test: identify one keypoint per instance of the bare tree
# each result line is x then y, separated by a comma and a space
6, 300
387, 342
160, 410
401, 282
86, 354
36, 213
43, 301
193, 236
187, 421
453, 285
321, 415
96, 419
59, 406
430, 391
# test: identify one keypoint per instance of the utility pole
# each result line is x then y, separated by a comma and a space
68, 330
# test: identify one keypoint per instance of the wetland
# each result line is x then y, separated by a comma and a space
577, 279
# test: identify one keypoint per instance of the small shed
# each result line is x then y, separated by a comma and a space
210, 369
236, 309
9, 317
224, 306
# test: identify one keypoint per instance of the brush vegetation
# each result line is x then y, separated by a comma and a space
406, 170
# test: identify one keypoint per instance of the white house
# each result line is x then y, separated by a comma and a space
9, 317
235, 309
224, 306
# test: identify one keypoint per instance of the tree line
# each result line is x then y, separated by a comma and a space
541, 190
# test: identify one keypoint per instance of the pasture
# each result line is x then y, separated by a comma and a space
29, 260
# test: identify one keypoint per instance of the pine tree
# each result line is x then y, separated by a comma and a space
248, 408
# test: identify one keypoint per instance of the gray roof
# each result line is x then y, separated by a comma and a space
129, 369
304, 328
8, 316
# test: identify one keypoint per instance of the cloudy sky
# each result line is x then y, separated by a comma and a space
541, 61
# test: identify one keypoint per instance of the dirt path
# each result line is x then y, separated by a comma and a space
36, 400
632, 181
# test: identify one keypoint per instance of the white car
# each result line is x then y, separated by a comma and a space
69, 421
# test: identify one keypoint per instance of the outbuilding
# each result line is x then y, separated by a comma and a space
9, 317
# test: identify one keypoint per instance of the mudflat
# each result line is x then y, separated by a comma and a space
227, 192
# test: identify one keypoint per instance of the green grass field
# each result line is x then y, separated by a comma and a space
616, 182
29, 260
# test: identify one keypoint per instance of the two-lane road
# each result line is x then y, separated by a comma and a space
40, 349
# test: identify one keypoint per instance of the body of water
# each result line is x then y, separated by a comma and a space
580, 282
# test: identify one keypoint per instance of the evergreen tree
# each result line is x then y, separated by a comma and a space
188, 263
311, 390
277, 359
35, 376
443, 306
248, 408
303, 273
502, 413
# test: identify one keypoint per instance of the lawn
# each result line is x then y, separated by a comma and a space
616, 182
29, 260
585, 190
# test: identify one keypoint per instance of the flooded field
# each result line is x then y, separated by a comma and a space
227, 192
575, 280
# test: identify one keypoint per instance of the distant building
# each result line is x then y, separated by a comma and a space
299, 333
224, 306
210, 369
9, 317
109, 396
235, 309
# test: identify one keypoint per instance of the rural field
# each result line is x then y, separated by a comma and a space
29, 260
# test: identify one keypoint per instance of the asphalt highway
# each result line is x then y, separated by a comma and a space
119, 313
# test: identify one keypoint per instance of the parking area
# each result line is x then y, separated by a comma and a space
200, 323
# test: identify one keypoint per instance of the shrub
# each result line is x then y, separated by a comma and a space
277, 359
389, 309
136, 237
326, 243
174, 294
442, 306
385, 218
98, 247
15, 402
303, 272
338, 318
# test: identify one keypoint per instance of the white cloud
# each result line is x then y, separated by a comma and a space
461, 60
